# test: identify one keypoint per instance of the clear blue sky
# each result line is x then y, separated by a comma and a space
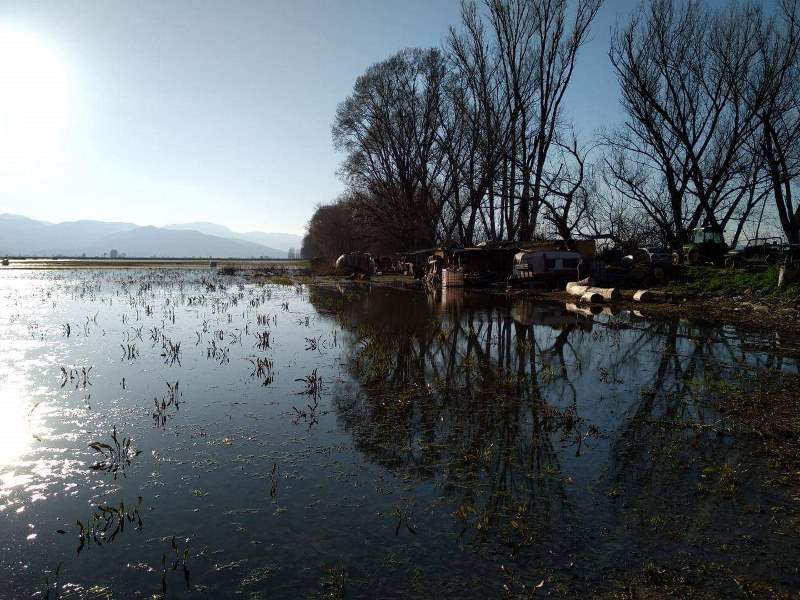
169, 111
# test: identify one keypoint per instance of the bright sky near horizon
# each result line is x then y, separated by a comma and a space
175, 111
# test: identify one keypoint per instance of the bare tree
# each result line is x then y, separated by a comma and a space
389, 128
538, 50
691, 82
567, 198
480, 117
779, 115
331, 231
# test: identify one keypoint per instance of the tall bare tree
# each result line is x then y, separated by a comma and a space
479, 107
691, 80
538, 44
779, 115
389, 129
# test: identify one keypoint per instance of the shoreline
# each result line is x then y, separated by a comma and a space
778, 316
763, 315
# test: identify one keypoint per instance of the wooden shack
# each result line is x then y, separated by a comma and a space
482, 265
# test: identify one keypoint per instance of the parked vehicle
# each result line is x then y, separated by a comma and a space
757, 251
356, 262
612, 256
657, 257
545, 268
707, 246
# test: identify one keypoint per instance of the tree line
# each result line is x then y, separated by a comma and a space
469, 142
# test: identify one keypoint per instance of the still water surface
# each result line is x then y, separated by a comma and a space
364, 442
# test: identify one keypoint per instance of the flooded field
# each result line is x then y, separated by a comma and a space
180, 434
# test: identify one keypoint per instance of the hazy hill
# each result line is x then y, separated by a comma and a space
155, 241
204, 227
282, 241
23, 236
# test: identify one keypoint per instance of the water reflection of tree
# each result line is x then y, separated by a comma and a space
672, 475
482, 400
460, 399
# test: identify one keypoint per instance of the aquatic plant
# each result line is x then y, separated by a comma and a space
178, 557
81, 378
312, 344
274, 481
105, 523
264, 319
56, 584
129, 351
262, 369
115, 458
263, 340
163, 407
219, 353
309, 414
171, 351
313, 383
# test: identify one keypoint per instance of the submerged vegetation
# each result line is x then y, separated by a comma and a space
106, 522
115, 456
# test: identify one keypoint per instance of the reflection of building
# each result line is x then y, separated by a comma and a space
452, 298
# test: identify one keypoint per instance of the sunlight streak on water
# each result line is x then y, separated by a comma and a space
19, 423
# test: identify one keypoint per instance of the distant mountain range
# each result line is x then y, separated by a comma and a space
21, 236
282, 241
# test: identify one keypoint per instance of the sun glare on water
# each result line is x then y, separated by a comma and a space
34, 97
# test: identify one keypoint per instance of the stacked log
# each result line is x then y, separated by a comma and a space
591, 298
588, 293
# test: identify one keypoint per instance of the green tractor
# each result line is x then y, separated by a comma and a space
707, 246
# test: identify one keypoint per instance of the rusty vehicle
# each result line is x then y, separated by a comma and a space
761, 251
